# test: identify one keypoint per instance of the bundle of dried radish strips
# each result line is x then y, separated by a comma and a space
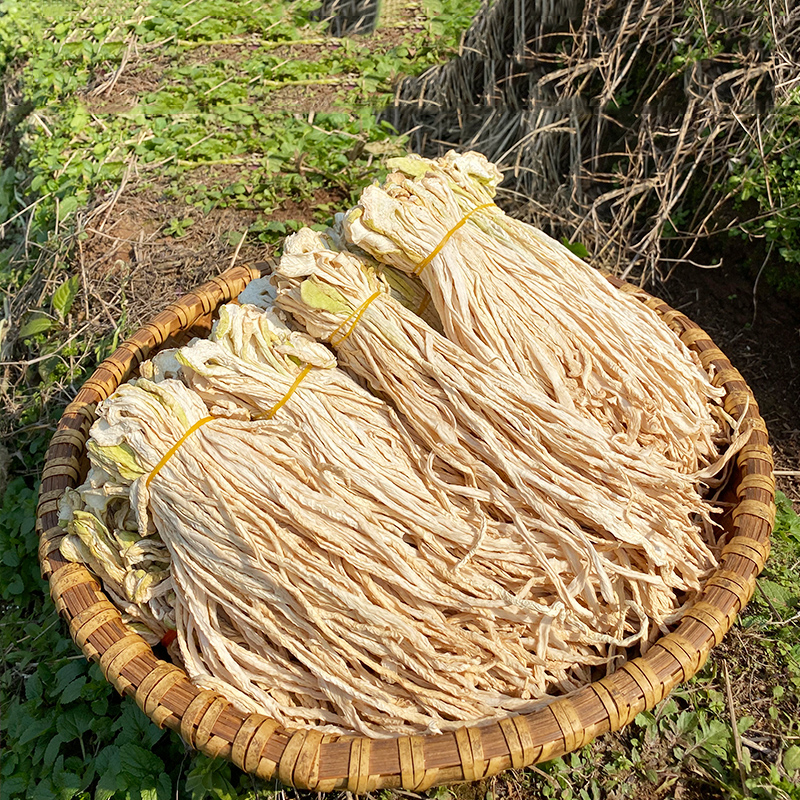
484, 488
507, 293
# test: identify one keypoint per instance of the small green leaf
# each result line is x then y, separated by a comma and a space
64, 296
163, 787
33, 687
210, 779
744, 723
73, 690
791, 758
577, 248
74, 722
37, 322
51, 753
107, 764
33, 731
15, 786
68, 673
686, 722
15, 586
178, 227
777, 594
138, 762
67, 206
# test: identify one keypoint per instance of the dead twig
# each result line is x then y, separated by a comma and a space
107, 86
613, 120
737, 739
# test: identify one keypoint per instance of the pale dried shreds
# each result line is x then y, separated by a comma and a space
506, 292
346, 590
104, 535
610, 525
333, 563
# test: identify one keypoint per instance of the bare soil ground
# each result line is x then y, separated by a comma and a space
131, 249
129, 262
761, 337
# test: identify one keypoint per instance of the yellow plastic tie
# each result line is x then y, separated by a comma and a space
297, 381
199, 424
355, 316
438, 249
171, 452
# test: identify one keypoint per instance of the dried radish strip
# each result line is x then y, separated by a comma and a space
506, 291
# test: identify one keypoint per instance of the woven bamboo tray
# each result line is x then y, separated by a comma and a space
310, 760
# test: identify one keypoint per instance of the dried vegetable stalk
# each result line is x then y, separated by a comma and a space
104, 535
511, 505
506, 292
346, 580
622, 520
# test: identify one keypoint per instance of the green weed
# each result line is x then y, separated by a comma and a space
770, 178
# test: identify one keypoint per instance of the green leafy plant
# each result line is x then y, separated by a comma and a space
770, 179
178, 227
64, 296
578, 248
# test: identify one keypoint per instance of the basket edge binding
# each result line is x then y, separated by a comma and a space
311, 760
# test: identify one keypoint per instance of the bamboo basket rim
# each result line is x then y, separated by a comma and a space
307, 759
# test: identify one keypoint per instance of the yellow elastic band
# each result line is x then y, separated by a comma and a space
297, 381
171, 452
199, 424
438, 249
355, 316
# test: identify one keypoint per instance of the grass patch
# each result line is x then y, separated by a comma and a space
770, 178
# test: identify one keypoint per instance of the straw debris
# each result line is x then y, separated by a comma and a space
614, 123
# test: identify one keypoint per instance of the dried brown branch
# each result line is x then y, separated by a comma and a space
610, 117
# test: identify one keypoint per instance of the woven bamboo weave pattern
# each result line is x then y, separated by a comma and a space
310, 760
